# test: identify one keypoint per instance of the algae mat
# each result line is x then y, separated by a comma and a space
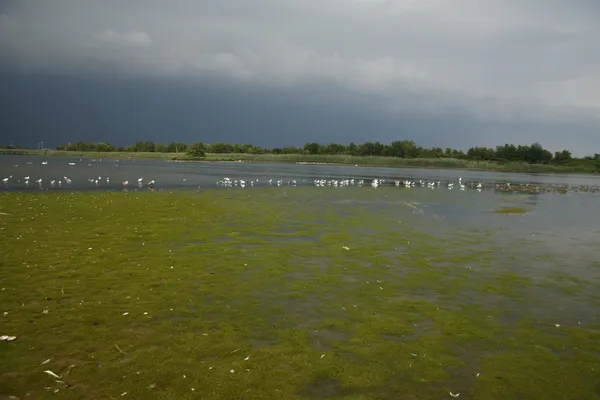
268, 294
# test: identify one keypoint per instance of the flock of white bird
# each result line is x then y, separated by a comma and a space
242, 183
230, 183
54, 183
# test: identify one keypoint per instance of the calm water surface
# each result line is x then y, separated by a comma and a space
168, 174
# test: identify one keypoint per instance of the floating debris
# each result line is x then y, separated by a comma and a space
8, 338
510, 210
52, 374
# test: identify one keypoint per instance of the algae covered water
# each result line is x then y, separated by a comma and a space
300, 292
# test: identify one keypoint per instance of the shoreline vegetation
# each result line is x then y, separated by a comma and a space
506, 158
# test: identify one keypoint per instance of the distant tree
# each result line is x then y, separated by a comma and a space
237, 148
196, 150
220, 148
138, 146
404, 149
333, 148
481, 153
291, 150
312, 148
149, 146
352, 149
562, 157
507, 152
176, 147
366, 149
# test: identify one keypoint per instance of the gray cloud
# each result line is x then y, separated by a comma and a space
531, 65
126, 39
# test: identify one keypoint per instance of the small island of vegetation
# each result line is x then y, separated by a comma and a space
402, 153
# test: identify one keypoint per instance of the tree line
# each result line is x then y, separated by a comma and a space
532, 154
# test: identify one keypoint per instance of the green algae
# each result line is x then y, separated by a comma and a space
162, 295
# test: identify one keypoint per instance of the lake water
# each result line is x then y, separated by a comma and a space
168, 174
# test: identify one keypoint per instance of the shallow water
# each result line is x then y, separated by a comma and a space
168, 174
353, 292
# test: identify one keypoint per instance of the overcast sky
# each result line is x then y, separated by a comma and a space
284, 72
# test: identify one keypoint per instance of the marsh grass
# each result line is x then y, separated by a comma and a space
162, 295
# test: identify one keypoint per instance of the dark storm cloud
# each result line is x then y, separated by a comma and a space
440, 72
